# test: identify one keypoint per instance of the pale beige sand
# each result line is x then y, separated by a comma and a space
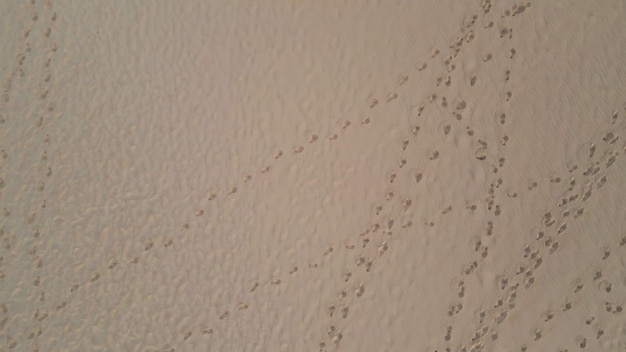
307, 175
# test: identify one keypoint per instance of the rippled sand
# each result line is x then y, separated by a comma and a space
306, 175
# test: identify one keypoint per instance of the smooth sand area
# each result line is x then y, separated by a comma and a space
426, 176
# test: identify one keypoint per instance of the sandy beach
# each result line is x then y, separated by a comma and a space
429, 176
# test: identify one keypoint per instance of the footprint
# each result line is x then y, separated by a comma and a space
372, 102
566, 306
578, 285
402, 79
548, 316
391, 96
417, 176
606, 254
597, 275
582, 342
501, 317
553, 247
472, 80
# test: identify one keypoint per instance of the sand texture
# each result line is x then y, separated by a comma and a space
424, 176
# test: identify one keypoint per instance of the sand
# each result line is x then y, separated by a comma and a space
313, 176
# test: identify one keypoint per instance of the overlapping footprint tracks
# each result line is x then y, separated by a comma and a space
32, 74
582, 181
543, 242
488, 153
393, 214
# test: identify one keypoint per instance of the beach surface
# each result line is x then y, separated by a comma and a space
424, 176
